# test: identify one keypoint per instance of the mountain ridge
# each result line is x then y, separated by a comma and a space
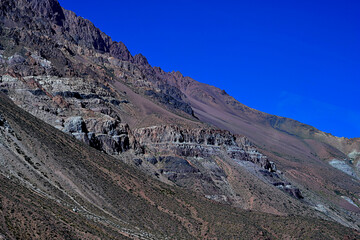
144, 61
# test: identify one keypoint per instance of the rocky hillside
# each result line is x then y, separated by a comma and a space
64, 71
53, 186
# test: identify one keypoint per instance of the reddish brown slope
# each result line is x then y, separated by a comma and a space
300, 150
83, 193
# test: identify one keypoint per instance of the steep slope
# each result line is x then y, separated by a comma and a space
322, 163
298, 148
65, 71
65, 189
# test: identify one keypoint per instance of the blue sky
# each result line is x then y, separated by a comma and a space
292, 58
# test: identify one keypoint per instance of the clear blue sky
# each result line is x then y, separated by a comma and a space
292, 58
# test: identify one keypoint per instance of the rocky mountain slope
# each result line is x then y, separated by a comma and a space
63, 70
53, 186
321, 162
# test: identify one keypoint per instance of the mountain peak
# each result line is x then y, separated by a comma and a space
140, 60
120, 51
177, 74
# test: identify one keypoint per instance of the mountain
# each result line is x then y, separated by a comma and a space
97, 143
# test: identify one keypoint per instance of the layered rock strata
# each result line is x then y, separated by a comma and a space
201, 143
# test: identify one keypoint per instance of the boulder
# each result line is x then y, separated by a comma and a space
75, 125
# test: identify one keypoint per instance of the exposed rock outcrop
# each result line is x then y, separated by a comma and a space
75, 125
107, 135
197, 149
88, 112
201, 143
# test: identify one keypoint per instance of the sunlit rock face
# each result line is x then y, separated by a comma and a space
201, 143
344, 166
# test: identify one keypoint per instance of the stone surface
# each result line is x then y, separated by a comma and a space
75, 125
201, 143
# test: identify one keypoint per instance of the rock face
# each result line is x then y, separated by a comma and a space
107, 135
75, 125
90, 113
169, 100
201, 143
344, 166
196, 151
253, 155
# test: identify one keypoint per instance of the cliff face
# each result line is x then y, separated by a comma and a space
201, 143
88, 112
47, 16
62, 69
197, 153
